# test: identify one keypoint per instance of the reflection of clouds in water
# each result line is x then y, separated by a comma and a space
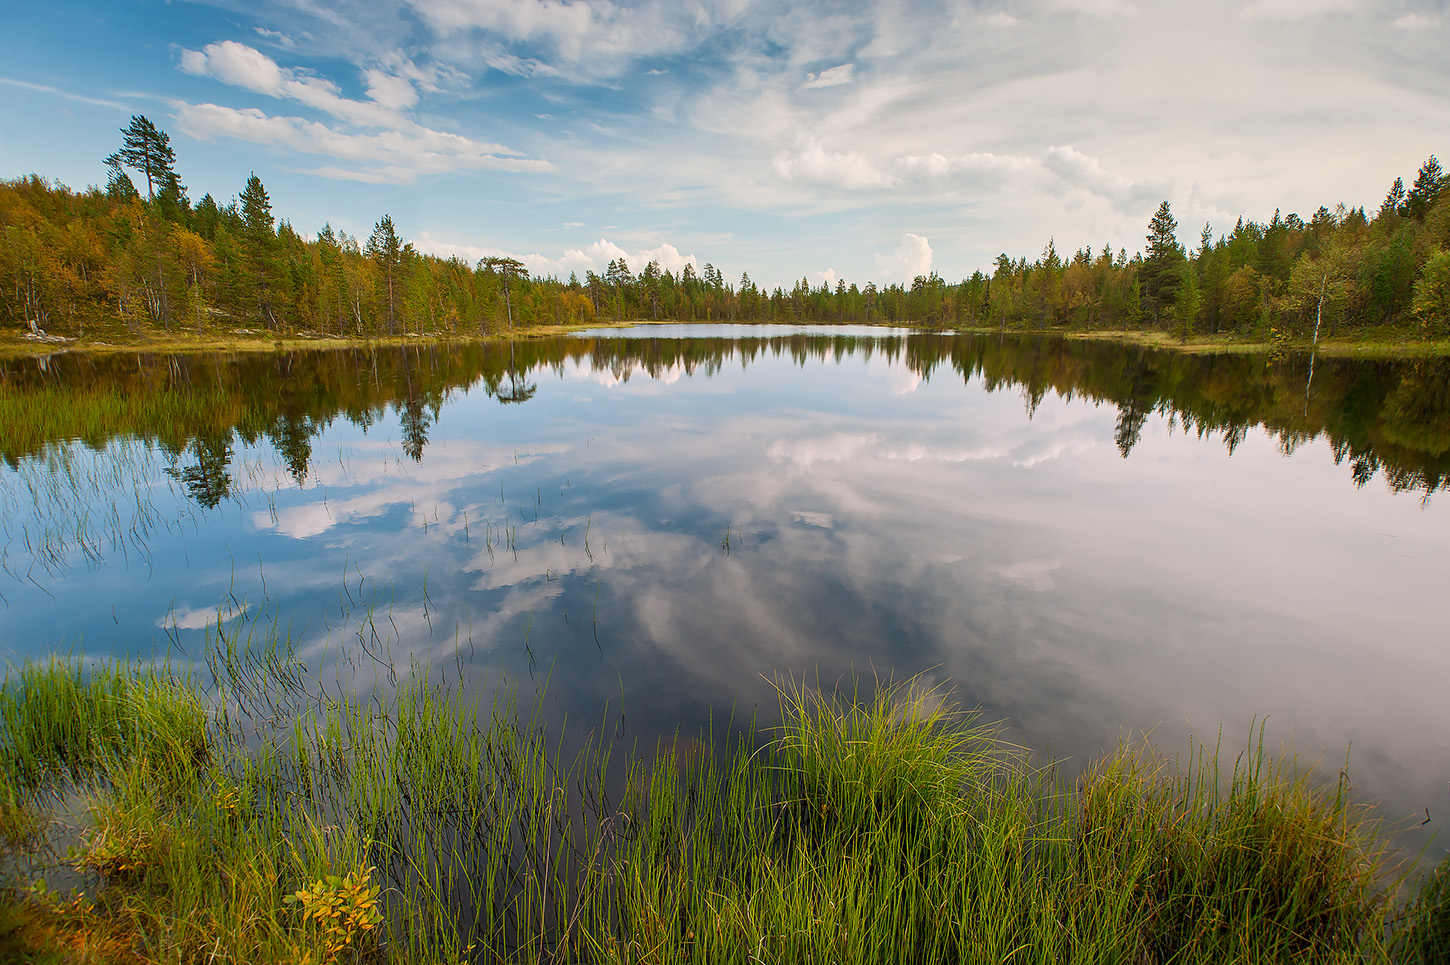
1030, 574
918, 452
805, 453
821, 520
631, 371
425, 487
901, 534
200, 618
1046, 450
899, 377
538, 553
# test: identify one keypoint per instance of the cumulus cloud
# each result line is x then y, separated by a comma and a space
390, 91
834, 77
597, 256
1078, 170
376, 139
1057, 170
593, 257
841, 169
396, 157
246, 67
911, 258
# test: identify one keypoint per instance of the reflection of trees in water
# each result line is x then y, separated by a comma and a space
413, 418
292, 436
516, 388
1378, 417
209, 479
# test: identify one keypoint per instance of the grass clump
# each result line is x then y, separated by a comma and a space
61, 720
1267, 867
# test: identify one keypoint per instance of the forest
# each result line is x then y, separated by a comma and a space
78, 261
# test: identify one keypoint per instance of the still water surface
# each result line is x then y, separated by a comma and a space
1087, 541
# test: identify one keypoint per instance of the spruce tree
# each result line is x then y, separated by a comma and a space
386, 251
1425, 191
1161, 261
259, 251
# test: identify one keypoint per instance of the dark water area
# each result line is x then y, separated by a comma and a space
1086, 540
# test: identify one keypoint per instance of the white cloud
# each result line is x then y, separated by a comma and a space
834, 77
1080, 171
395, 149
390, 91
426, 243
396, 157
591, 38
56, 91
911, 258
565, 24
275, 36
241, 66
593, 257
1418, 21
834, 168
828, 277
992, 168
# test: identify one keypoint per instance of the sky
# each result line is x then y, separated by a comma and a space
784, 139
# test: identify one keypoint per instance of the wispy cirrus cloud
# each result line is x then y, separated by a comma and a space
58, 92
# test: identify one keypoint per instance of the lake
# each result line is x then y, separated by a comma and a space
654, 527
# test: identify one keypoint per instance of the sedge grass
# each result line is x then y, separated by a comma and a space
881, 827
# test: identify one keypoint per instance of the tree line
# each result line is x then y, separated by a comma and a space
104, 255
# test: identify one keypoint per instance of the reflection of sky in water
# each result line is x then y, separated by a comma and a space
680, 542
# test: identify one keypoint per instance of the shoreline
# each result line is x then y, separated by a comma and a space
21, 344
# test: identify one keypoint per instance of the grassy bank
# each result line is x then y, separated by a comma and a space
244, 815
18, 343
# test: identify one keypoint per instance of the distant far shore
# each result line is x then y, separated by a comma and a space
19, 342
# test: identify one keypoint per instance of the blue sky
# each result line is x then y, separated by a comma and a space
864, 141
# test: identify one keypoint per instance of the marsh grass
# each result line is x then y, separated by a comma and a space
263, 818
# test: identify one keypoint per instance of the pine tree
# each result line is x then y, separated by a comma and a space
1160, 262
511, 269
147, 149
